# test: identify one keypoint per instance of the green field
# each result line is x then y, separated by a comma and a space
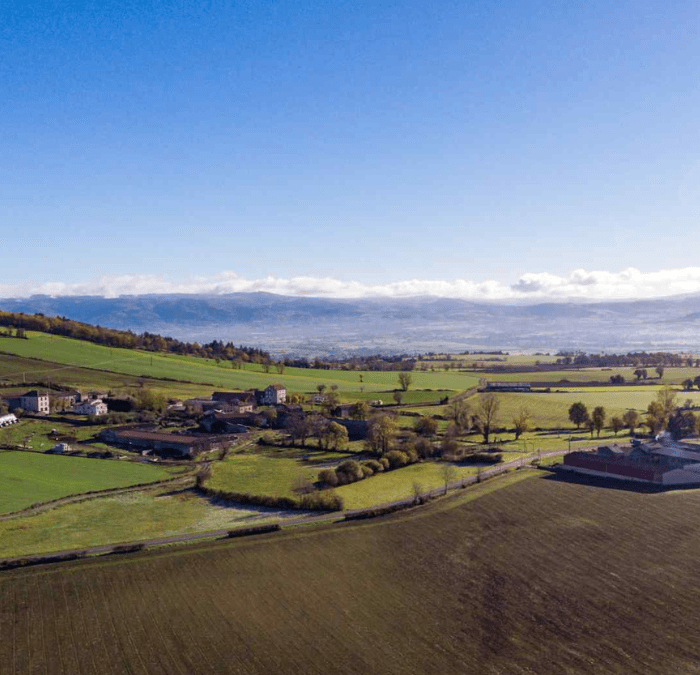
126, 517
69, 352
36, 433
671, 376
398, 484
540, 576
552, 409
28, 477
16, 372
260, 474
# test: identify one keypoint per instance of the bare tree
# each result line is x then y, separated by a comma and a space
417, 493
486, 413
448, 472
460, 413
521, 423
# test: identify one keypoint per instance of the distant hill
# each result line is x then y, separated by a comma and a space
321, 326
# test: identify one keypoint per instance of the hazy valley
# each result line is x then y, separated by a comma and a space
320, 326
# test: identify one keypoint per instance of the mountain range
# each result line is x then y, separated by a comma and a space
312, 326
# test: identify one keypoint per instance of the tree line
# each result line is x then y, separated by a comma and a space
631, 359
110, 337
662, 414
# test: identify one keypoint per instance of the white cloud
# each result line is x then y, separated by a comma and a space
579, 284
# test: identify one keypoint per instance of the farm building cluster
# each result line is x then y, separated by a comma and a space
661, 462
41, 402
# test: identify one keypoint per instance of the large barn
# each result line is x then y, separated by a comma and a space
661, 462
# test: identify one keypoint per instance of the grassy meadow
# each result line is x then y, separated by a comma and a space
36, 433
28, 477
132, 516
539, 576
67, 352
260, 474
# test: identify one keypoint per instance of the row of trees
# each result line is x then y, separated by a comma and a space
376, 362
662, 413
110, 337
329, 435
631, 359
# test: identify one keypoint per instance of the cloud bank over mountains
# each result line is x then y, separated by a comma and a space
580, 284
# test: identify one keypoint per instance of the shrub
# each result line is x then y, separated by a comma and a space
411, 453
425, 448
425, 426
483, 458
328, 477
385, 463
127, 548
374, 464
377, 511
349, 471
255, 529
367, 471
396, 459
322, 501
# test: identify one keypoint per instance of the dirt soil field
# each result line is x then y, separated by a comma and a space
542, 576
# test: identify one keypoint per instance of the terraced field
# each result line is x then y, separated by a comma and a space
541, 576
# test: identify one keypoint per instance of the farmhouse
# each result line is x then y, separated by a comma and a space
508, 386
68, 398
35, 401
235, 401
96, 407
663, 462
168, 444
272, 395
201, 405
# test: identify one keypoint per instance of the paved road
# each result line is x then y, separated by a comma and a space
297, 520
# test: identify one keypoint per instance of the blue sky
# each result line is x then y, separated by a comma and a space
164, 145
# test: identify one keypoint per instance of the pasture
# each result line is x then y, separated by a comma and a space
36, 433
351, 385
540, 576
551, 410
29, 477
398, 484
132, 516
671, 376
260, 474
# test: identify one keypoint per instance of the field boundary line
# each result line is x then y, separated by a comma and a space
335, 517
40, 507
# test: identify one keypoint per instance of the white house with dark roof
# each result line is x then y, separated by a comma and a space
95, 407
35, 401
